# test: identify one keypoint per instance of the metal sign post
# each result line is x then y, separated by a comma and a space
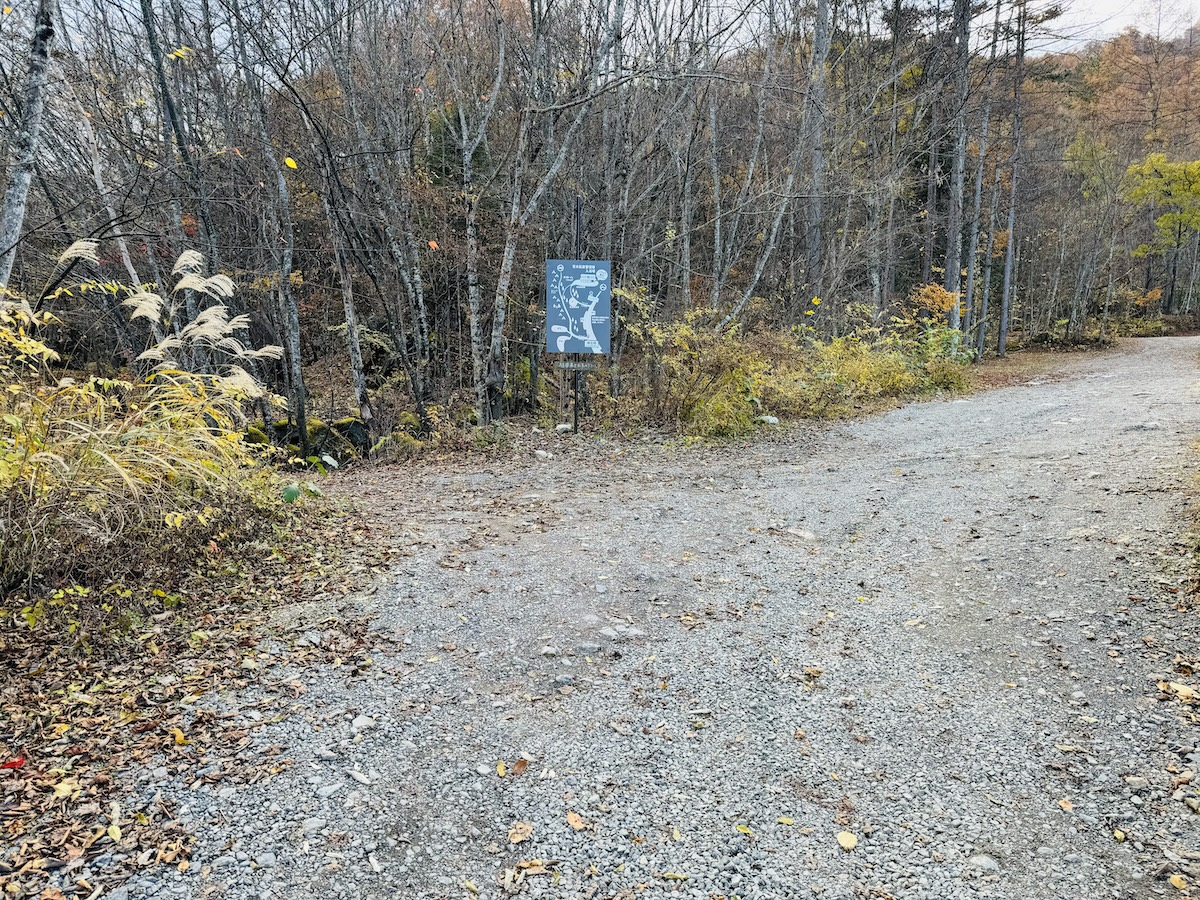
578, 314
578, 311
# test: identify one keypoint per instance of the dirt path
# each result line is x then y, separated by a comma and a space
938, 630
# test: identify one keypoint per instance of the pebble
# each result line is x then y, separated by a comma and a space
701, 730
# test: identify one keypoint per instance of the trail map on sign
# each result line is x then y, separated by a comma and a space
578, 306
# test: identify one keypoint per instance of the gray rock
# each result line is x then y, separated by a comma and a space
312, 824
265, 860
326, 791
984, 863
362, 723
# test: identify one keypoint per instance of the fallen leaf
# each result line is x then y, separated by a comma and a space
470, 886
501, 769
1178, 882
519, 831
674, 876
786, 820
575, 820
1119, 835
676, 834
14, 763
179, 736
744, 829
847, 840
1182, 692
66, 788
520, 766
289, 162
1066, 804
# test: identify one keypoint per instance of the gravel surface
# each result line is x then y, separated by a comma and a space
934, 635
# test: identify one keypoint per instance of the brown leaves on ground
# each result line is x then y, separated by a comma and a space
79, 725
519, 832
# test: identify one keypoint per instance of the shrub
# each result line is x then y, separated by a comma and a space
100, 478
716, 384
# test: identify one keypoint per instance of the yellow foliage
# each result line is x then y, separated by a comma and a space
102, 476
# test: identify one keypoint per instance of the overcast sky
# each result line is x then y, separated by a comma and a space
1089, 20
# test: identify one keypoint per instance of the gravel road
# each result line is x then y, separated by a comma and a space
936, 633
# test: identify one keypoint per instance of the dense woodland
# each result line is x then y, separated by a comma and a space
382, 181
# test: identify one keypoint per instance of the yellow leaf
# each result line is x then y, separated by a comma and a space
501, 769
744, 829
1184, 693
289, 162
786, 820
470, 886
179, 736
676, 834
1119, 835
847, 840
575, 820
7, 10
1178, 882
519, 831
66, 788
114, 832
674, 876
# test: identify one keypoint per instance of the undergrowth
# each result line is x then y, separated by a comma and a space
103, 480
714, 384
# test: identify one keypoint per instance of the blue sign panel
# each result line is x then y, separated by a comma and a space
578, 306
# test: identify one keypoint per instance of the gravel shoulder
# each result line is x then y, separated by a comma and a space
939, 631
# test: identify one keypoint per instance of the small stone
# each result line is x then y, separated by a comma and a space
362, 723
265, 860
227, 793
563, 428
984, 863
326, 754
549, 652
543, 454
222, 862
312, 825
328, 790
587, 649
1137, 783
121, 893
767, 420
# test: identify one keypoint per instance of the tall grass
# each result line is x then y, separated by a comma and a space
100, 478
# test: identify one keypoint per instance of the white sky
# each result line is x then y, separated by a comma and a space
1089, 20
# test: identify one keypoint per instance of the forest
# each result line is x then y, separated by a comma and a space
382, 182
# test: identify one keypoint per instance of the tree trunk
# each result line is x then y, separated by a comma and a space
1011, 249
815, 110
12, 213
954, 227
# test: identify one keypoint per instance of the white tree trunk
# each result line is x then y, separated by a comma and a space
12, 213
